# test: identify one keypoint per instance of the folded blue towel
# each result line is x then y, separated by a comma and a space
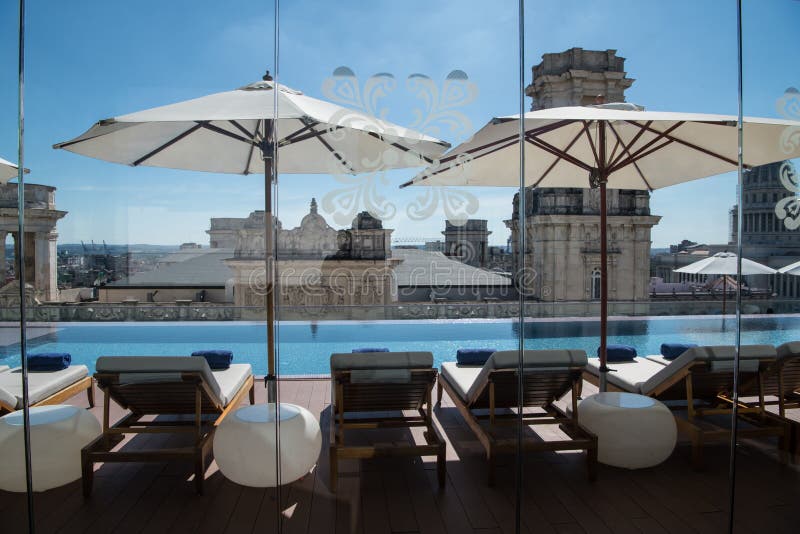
217, 359
619, 353
48, 361
371, 349
670, 351
473, 356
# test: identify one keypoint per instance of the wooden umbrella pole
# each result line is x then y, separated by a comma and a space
602, 177
267, 155
603, 286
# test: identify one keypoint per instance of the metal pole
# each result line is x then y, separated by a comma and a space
20, 261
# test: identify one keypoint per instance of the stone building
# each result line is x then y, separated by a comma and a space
317, 265
766, 238
222, 233
41, 217
561, 260
468, 241
576, 77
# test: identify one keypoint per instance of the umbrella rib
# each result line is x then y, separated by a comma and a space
166, 145
633, 159
635, 155
289, 139
553, 165
547, 147
241, 128
625, 150
327, 145
591, 142
401, 147
216, 129
636, 137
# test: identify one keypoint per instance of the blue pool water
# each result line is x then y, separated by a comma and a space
305, 348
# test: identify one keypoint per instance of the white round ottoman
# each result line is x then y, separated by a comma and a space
244, 444
58, 433
633, 431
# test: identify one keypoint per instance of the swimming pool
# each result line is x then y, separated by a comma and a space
305, 348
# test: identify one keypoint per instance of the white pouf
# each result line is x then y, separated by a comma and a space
633, 431
58, 433
244, 444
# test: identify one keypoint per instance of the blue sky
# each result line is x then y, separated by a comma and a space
96, 59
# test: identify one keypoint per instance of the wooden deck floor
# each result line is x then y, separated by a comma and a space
402, 495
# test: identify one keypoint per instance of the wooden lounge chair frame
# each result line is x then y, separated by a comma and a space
349, 397
60, 396
780, 379
190, 395
542, 386
696, 381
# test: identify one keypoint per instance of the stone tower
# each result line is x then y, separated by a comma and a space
468, 241
561, 259
40, 236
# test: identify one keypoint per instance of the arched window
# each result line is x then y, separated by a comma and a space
595, 283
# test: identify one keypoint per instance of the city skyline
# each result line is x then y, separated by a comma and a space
213, 49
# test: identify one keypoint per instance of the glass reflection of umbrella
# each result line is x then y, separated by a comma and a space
793, 269
725, 264
237, 131
611, 145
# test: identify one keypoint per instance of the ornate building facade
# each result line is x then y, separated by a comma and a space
468, 241
41, 217
561, 259
317, 265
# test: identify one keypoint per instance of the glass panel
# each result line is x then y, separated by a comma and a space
126, 250
421, 272
668, 190
768, 236
14, 484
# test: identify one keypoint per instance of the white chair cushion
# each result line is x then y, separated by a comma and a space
509, 359
41, 385
4, 368
230, 380
461, 377
158, 369
7, 398
381, 360
789, 350
628, 376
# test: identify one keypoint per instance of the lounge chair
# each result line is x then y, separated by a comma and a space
703, 374
780, 379
548, 375
44, 388
383, 382
164, 385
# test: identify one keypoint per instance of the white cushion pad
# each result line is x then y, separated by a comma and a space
40, 385
461, 377
628, 376
230, 380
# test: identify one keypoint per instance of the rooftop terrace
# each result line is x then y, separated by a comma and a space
401, 494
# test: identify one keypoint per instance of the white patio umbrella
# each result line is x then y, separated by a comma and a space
8, 171
793, 269
726, 264
612, 145
238, 132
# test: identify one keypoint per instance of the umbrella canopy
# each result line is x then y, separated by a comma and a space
635, 149
612, 145
725, 263
8, 171
793, 269
240, 131
222, 133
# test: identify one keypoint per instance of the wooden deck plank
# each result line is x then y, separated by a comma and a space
402, 494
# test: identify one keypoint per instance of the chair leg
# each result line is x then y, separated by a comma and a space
438, 392
591, 462
90, 394
441, 466
199, 471
87, 473
252, 394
